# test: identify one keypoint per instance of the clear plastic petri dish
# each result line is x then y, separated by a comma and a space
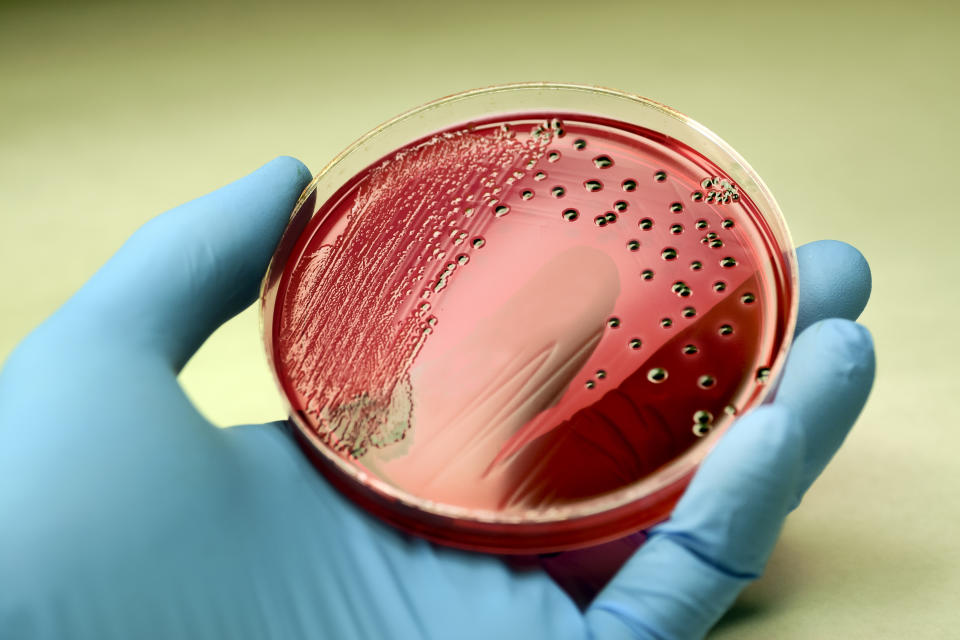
516, 319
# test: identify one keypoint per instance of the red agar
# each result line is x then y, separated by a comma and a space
525, 316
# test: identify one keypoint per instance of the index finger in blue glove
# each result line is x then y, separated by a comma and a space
722, 531
187, 271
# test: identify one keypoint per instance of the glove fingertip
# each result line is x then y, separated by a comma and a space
835, 281
850, 345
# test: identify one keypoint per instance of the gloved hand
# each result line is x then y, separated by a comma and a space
125, 514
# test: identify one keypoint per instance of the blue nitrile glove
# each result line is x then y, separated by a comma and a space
125, 514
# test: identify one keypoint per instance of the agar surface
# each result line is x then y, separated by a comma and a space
528, 311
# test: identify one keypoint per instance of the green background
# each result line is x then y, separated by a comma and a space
111, 113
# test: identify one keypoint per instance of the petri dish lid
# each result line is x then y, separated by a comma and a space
517, 318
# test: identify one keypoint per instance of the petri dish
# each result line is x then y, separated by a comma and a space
516, 319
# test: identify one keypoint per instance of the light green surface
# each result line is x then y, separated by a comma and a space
112, 113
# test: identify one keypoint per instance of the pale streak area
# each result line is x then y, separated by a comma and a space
474, 394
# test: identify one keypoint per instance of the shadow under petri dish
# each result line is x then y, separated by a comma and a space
525, 315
